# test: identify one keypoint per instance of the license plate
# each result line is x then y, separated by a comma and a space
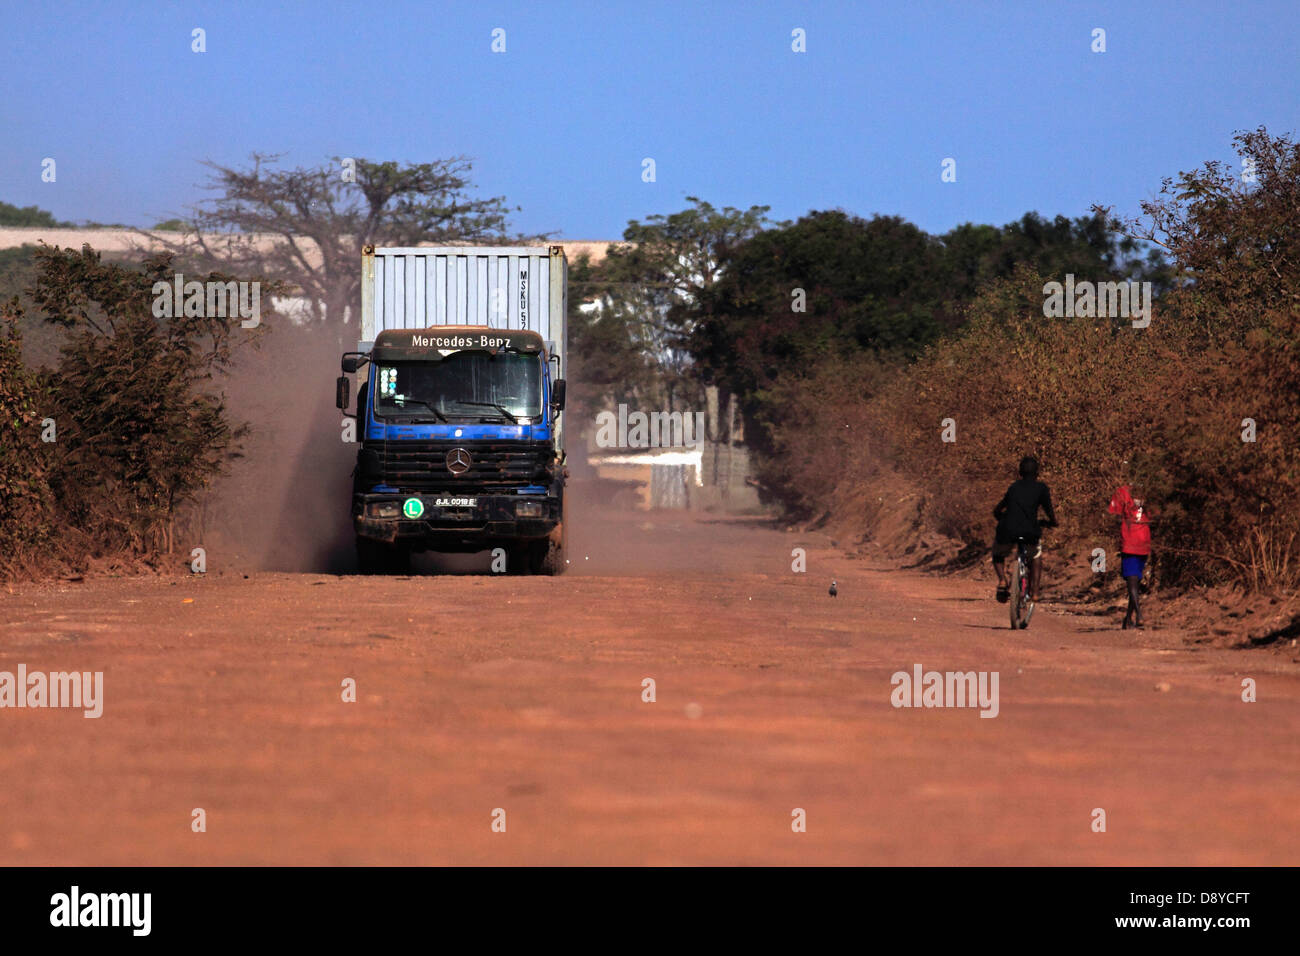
455, 502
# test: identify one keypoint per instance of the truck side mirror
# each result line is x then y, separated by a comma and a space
557, 394
350, 363
341, 392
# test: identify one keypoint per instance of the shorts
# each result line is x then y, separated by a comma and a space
1004, 549
1131, 565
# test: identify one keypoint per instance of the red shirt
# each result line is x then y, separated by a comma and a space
1135, 522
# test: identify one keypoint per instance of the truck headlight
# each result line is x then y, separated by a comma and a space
528, 509
383, 509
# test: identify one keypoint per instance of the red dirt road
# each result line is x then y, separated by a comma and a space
483, 692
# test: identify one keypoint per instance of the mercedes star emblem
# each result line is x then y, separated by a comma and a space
458, 461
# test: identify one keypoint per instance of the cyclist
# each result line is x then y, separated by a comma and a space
1017, 515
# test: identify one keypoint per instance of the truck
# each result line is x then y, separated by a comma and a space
459, 412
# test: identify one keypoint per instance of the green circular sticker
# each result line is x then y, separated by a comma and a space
413, 507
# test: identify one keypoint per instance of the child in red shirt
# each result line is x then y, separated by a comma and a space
1135, 544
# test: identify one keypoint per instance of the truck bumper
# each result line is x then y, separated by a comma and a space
444, 522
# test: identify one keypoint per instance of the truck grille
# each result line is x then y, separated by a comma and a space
422, 465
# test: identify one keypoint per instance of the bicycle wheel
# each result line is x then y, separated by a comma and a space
1026, 612
1016, 590
1026, 605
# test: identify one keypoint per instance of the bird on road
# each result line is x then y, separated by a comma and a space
833, 591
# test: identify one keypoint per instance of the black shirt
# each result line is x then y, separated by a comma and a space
1017, 512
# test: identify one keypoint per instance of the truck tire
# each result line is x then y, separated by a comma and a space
547, 556
374, 556
519, 558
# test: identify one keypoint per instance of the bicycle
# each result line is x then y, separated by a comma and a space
1022, 608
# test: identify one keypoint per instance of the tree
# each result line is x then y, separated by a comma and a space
1235, 236
309, 226
1090, 247
794, 295
835, 294
641, 304
28, 216
606, 364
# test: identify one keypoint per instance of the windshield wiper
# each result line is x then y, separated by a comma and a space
439, 415
501, 409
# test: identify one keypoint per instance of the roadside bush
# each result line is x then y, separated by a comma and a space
1071, 392
1231, 458
26, 502
139, 429
1099, 404
1202, 407
821, 429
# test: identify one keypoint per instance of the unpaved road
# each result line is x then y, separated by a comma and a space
484, 692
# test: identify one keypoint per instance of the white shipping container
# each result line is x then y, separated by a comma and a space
504, 287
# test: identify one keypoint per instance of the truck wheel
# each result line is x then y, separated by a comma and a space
376, 556
519, 559
399, 559
547, 556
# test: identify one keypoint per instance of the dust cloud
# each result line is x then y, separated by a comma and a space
284, 504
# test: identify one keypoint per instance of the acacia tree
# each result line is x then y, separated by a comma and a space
308, 225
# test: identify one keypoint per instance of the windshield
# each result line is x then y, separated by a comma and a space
464, 385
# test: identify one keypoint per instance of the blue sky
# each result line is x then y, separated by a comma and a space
560, 122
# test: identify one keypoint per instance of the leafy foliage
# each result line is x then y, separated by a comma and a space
139, 431
875, 293
1236, 242
637, 311
26, 501
28, 216
308, 226
1097, 401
